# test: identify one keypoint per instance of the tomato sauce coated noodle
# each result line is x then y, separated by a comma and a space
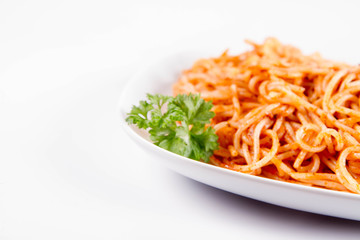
283, 115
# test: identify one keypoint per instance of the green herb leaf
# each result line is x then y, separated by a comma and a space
181, 128
139, 115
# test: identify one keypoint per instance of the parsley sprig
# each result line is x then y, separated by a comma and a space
181, 128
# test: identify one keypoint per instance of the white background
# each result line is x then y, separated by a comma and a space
67, 171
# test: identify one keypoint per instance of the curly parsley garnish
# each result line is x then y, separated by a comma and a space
181, 128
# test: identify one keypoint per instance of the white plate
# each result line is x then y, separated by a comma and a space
159, 79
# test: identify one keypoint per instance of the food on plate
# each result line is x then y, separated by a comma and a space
181, 127
281, 114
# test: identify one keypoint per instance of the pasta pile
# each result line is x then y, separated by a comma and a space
283, 115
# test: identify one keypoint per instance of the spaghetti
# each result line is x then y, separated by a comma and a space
283, 115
